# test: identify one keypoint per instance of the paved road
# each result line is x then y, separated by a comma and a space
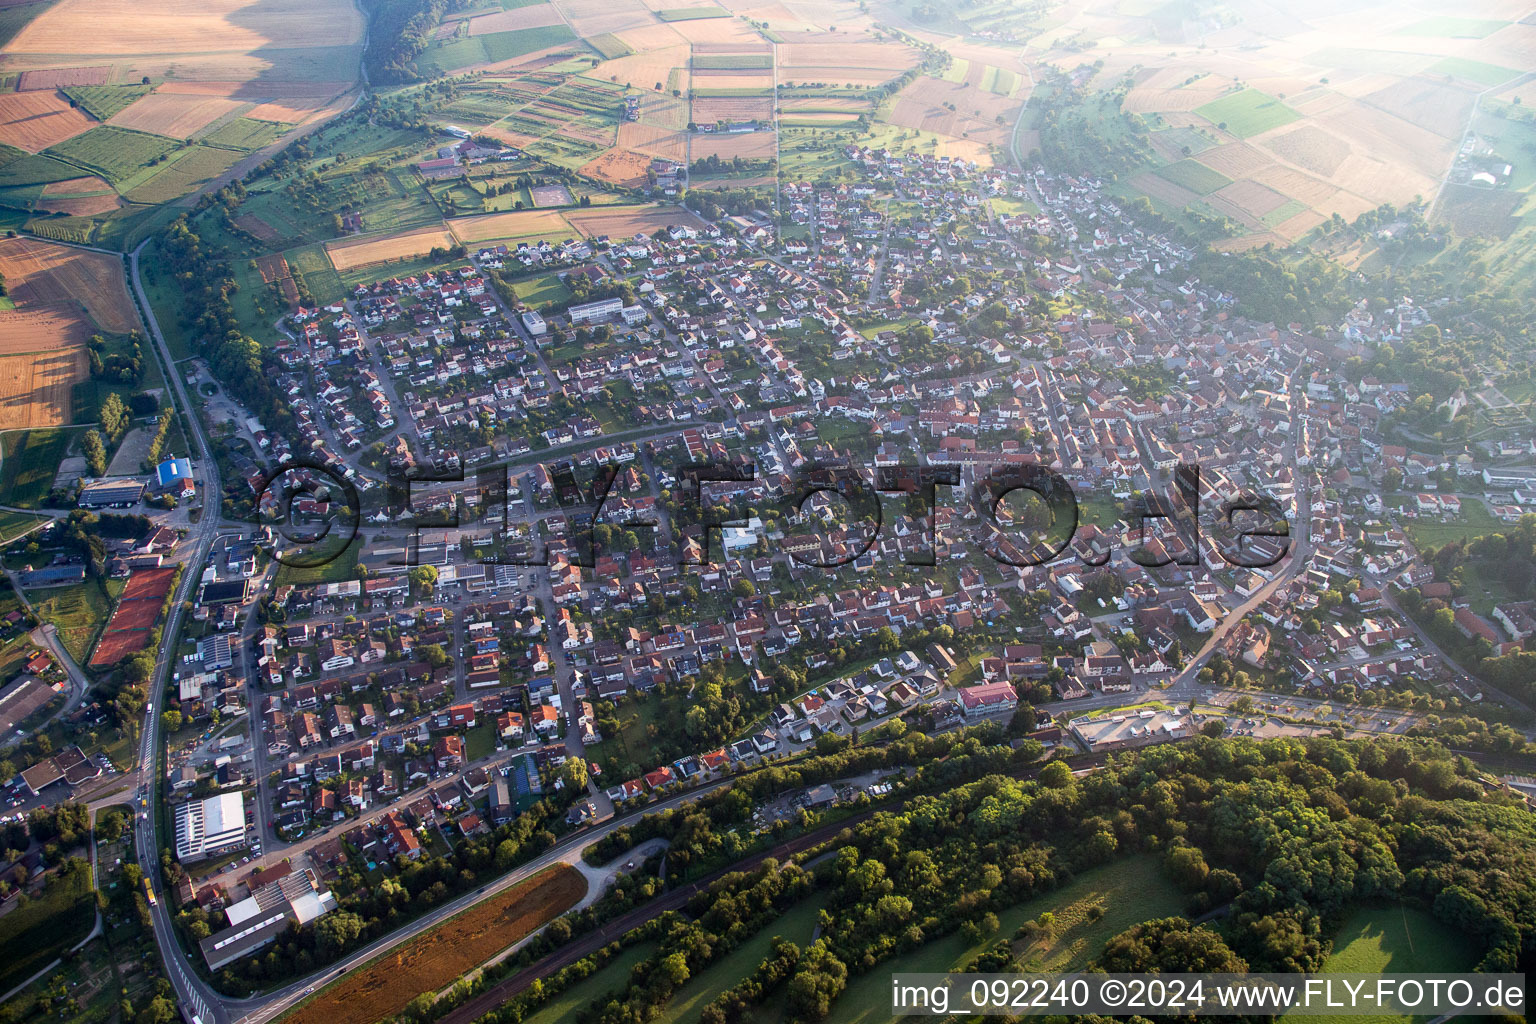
191, 992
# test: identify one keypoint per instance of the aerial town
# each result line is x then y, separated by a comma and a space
413, 636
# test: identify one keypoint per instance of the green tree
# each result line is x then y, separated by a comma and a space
114, 417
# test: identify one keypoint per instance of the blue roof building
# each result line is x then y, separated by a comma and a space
173, 471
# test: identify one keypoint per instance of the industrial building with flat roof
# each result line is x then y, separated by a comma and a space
208, 827
109, 493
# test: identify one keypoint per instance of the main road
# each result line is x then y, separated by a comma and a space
191, 991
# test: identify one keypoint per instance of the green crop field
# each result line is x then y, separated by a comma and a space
1283, 212
14, 524
1194, 176
31, 458
1473, 70
246, 134
442, 58
1448, 27
610, 46
1000, 81
14, 19
734, 61
20, 168
102, 101
1247, 113
691, 13
120, 156
190, 170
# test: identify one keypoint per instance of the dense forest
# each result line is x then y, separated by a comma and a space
1283, 837
398, 31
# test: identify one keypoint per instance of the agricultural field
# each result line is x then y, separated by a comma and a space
691, 13
59, 298
747, 145
175, 115
102, 101
138, 609
79, 197
522, 224
443, 955
366, 251
40, 273
37, 388
1329, 128
624, 221
33, 121
192, 169
957, 110
1246, 113
854, 60
30, 459
445, 57
1195, 176
124, 158
610, 46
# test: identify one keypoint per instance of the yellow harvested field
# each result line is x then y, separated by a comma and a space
659, 142
925, 104
1311, 149
41, 329
756, 145
515, 224
39, 273
296, 109
352, 253
125, 27
847, 60
709, 109
621, 167
732, 80
644, 70
624, 221
36, 389
1251, 198
652, 37
716, 30
79, 206
175, 115
594, 17
536, 16
1235, 159
33, 121
77, 186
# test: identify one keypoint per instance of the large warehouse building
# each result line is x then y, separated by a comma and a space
208, 827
